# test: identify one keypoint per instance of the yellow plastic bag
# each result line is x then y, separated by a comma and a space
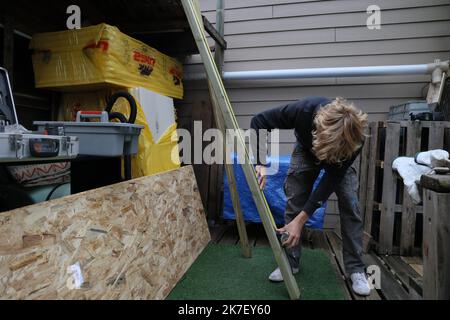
153, 156
157, 157
101, 56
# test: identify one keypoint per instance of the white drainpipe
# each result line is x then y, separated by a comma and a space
436, 69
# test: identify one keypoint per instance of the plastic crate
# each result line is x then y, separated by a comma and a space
403, 111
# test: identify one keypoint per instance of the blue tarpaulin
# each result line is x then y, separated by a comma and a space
274, 194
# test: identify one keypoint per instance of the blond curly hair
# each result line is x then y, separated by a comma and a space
339, 131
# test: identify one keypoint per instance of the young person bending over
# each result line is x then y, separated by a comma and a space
330, 135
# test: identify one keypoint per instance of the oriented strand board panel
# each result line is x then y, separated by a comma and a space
133, 240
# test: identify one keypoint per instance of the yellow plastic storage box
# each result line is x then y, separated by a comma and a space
101, 56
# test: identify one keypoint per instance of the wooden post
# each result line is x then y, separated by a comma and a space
217, 170
414, 137
220, 26
389, 187
232, 185
240, 222
436, 249
226, 110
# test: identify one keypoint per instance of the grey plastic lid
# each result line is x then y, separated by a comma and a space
88, 124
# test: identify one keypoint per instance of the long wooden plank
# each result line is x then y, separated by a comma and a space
363, 174
413, 141
132, 240
191, 9
219, 56
407, 275
335, 243
414, 262
391, 288
398, 208
232, 185
335, 248
217, 170
389, 187
372, 165
428, 124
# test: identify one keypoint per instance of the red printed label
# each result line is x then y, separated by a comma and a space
142, 58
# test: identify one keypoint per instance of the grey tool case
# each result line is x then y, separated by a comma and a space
20, 145
104, 138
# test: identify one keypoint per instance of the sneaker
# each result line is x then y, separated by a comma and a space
360, 284
276, 276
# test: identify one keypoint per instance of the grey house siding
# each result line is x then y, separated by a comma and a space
287, 34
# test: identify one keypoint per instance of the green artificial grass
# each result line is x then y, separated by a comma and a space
222, 273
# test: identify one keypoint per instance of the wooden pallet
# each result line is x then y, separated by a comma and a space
390, 217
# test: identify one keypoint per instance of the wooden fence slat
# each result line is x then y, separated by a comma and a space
413, 142
398, 208
436, 140
389, 187
428, 124
363, 167
363, 161
370, 188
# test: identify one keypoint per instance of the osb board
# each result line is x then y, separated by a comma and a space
133, 240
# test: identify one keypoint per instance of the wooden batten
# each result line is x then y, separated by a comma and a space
132, 240
191, 8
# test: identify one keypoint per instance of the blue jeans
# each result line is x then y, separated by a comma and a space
298, 186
